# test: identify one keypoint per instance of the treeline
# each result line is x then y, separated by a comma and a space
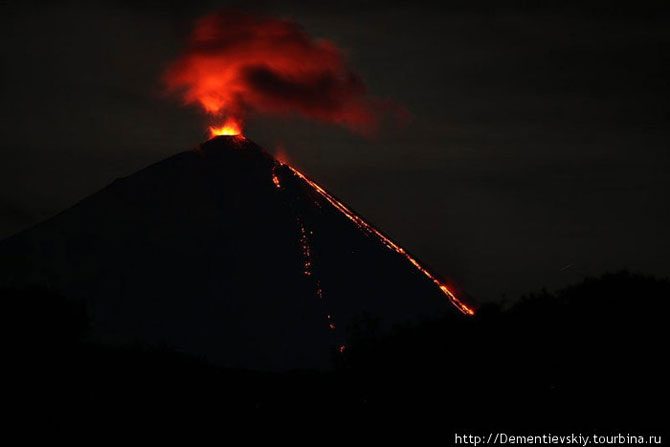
590, 357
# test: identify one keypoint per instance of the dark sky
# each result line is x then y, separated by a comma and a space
537, 153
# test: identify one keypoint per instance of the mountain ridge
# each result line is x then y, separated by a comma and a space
204, 252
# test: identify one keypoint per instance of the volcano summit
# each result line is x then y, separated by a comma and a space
226, 253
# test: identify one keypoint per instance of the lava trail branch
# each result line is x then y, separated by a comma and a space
369, 229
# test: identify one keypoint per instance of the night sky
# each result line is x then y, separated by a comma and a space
537, 151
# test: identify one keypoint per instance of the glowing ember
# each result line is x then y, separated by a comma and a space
276, 181
231, 127
306, 251
275, 178
308, 267
369, 229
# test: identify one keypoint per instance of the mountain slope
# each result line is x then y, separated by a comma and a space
222, 252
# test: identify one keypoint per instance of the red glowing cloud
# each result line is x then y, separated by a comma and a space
236, 64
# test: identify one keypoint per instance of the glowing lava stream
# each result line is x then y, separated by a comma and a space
308, 268
363, 225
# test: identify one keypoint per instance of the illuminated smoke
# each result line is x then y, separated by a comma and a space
236, 64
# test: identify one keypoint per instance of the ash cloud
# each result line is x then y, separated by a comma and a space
236, 64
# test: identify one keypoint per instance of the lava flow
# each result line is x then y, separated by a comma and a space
369, 229
236, 64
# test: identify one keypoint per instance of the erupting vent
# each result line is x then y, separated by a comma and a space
232, 127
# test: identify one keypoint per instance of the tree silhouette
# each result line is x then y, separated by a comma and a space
590, 356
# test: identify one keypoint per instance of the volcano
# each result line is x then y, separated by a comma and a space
223, 252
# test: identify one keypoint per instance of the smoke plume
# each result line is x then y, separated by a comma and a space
236, 64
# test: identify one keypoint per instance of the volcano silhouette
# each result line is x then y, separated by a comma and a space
222, 252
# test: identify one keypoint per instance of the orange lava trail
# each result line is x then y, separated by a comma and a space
363, 225
306, 250
308, 267
275, 180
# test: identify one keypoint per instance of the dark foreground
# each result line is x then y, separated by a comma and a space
588, 359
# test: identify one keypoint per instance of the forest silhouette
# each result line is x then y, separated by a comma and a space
589, 357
